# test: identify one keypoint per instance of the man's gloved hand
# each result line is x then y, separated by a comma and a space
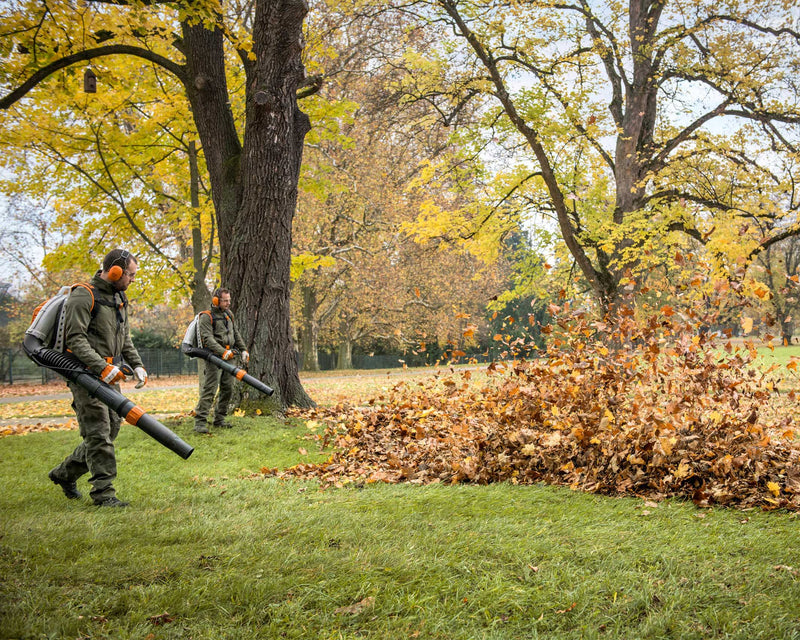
112, 374
245, 356
227, 355
141, 375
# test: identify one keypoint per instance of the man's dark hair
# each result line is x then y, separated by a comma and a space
119, 257
220, 291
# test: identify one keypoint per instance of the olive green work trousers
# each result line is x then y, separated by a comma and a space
212, 378
99, 427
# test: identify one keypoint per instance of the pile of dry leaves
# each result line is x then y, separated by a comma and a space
653, 408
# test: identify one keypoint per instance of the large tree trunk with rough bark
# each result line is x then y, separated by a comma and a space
254, 185
257, 248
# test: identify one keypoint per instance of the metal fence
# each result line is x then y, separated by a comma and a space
17, 367
327, 361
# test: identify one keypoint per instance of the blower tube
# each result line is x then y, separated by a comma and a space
236, 372
75, 371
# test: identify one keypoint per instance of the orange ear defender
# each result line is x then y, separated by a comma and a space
215, 301
116, 271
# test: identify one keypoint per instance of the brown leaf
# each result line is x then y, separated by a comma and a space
161, 618
358, 607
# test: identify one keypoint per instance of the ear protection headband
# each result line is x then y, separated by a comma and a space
116, 271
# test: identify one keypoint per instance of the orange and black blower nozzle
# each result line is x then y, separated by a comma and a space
236, 372
68, 366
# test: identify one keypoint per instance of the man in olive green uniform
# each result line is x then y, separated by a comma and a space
96, 331
218, 334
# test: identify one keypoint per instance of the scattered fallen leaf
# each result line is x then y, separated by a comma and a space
161, 618
358, 607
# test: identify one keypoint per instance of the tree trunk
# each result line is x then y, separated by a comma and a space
310, 350
201, 296
787, 326
345, 360
254, 187
310, 334
256, 249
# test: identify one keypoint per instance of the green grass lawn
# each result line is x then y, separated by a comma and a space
206, 551
779, 355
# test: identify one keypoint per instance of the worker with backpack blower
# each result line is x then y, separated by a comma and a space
96, 332
219, 335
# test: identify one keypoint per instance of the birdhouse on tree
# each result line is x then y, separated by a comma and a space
89, 81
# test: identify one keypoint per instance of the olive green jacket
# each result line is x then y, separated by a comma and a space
94, 336
221, 334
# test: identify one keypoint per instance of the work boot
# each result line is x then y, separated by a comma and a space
70, 489
223, 425
111, 501
201, 427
